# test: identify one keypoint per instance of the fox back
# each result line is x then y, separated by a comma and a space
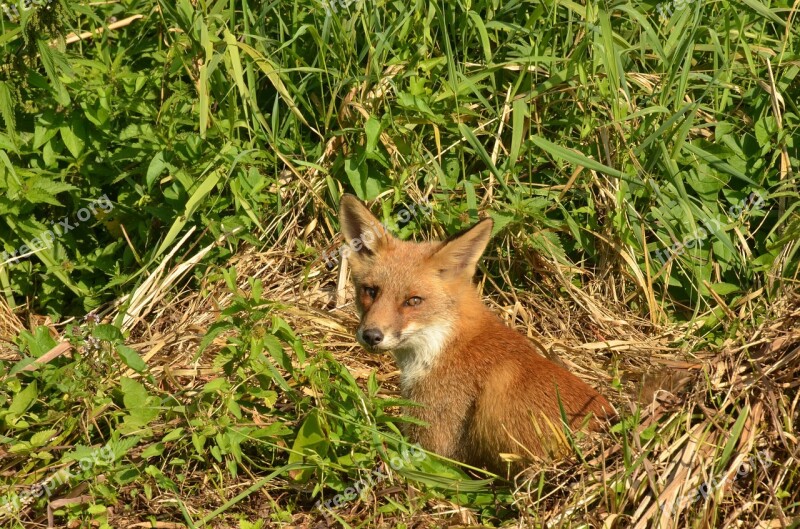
484, 389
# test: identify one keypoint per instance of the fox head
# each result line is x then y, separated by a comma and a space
410, 296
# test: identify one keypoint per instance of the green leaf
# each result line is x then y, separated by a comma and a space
706, 181
203, 83
761, 9
108, 332
199, 441
486, 46
142, 407
154, 450
53, 61
355, 167
52, 187
131, 358
215, 330
23, 400
42, 438
276, 350
234, 407
174, 435
72, 140
717, 162
216, 386
311, 439
134, 395
154, 170
501, 220
518, 114
7, 110
736, 432
372, 128
484, 155
723, 289
38, 342
574, 157
236, 65
765, 130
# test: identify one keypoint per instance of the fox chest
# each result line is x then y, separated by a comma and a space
446, 405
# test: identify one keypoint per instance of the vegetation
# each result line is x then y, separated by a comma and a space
177, 347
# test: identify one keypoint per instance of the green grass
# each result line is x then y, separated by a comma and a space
614, 148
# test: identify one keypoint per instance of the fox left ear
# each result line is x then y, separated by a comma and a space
362, 231
460, 254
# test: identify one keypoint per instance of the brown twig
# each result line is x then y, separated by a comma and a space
72, 37
55, 352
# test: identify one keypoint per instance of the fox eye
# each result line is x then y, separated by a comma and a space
413, 301
371, 291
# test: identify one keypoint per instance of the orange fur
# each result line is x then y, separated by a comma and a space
483, 387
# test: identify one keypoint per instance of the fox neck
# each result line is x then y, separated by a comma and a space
417, 358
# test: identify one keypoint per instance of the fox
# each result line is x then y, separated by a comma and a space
484, 394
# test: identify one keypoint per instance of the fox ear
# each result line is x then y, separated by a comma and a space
460, 254
362, 231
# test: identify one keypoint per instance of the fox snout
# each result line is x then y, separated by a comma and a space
376, 337
370, 337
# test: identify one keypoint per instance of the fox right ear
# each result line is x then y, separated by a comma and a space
459, 255
362, 231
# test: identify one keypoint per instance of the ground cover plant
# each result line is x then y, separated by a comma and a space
176, 330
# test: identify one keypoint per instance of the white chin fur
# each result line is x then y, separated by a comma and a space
419, 349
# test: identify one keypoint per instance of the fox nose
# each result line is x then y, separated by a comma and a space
372, 336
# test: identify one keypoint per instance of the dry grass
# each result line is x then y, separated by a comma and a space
705, 414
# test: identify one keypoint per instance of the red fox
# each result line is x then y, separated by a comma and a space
483, 388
